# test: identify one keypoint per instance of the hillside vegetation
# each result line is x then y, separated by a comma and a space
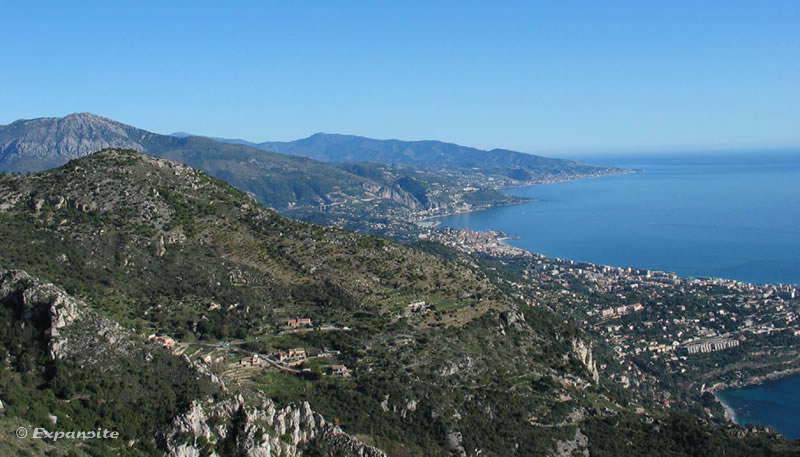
159, 247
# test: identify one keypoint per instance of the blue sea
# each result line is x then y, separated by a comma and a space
775, 402
733, 216
729, 215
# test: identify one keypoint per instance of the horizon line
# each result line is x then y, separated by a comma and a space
547, 151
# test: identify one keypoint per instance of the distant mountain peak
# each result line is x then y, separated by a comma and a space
36, 144
86, 115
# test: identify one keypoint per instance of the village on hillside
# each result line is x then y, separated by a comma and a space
236, 362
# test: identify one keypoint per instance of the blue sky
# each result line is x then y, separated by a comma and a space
545, 77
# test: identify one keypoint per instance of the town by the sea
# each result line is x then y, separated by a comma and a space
734, 216
731, 215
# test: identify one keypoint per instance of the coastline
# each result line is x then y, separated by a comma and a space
520, 200
724, 276
730, 414
472, 210
753, 381
623, 171
754, 373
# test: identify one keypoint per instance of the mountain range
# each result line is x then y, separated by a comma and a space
357, 191
327, 147
281, 180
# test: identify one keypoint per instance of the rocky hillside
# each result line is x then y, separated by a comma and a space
164, 248
157, 401
119, 214
254, 428
408, 353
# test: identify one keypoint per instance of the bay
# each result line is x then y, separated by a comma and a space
729, 215
775, 402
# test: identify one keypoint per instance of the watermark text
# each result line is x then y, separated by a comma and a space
40, 433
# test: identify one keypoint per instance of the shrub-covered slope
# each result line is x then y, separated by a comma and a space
160, 247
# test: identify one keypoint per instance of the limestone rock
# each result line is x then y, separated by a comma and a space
583, 352
579, 445
264, 430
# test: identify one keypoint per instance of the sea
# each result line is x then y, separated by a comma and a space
733, 215
775, 402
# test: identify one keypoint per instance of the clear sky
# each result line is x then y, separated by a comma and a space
554, 76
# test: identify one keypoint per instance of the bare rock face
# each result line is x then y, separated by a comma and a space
393, 194
73, 327
513, 319
576, 446
160, 249
257, 431
36, 299
583, 352
454, 443
66, 138
454, 367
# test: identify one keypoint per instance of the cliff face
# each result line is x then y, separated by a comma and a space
70, 327
583, 352
396, 195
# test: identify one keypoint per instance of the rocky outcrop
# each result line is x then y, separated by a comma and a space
578, 445
513, 318
263, 430
402, 409
394, 194
454, 439
18, 289
72, 326
583, 352
257, 431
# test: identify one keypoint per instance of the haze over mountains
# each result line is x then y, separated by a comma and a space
404, 180
329, 147
277, 180
35, 144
